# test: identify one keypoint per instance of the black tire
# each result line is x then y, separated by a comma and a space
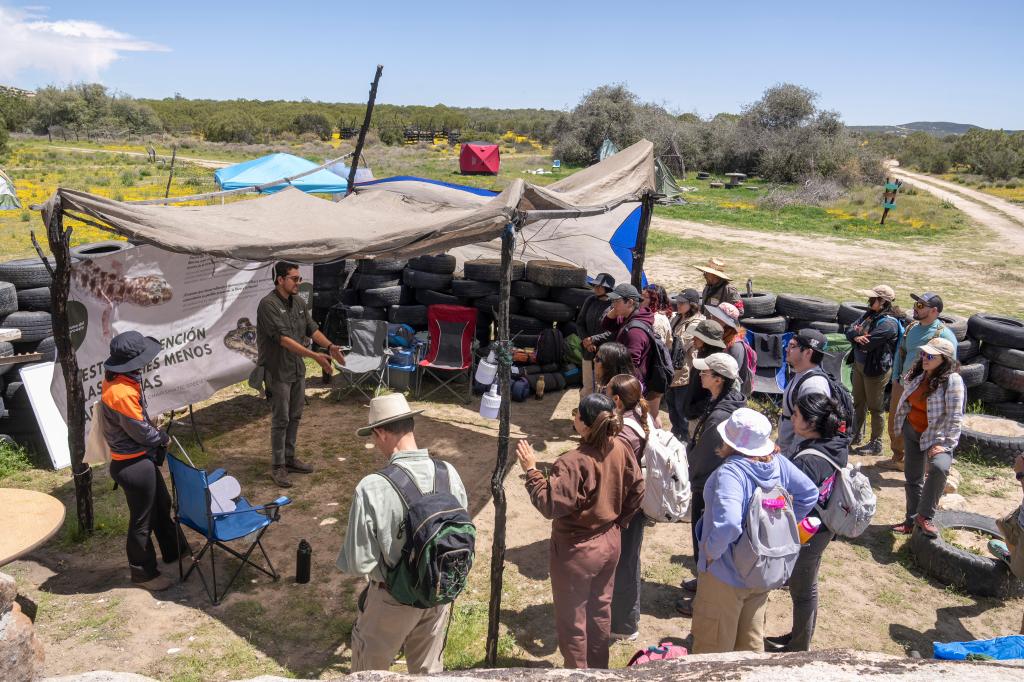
34, 325
765, 325
426, 280
6, 350
471, 288
489, 304
956, 324
524, 288
370, 280
524, 329
550, 311
412, 315
100, 248
16, 396
796, 325
324, 299
8, 298
349, 297
441, 264
1007, 377
1007, 332
381, 266
1007, 357
988, 392
381, 298
489, 269
359, 312
758, 304
1000, 449
850, 312
978, 575
810, 308
573, 297
975, 373
968, 349
326, 282
48, 348
1007, 410
430, 297
25, 273
552, 273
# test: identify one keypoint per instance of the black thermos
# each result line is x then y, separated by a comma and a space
303, 559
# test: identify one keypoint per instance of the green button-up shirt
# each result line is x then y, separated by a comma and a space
277, 317
375, 531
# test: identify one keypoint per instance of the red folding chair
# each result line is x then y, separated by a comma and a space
450, 355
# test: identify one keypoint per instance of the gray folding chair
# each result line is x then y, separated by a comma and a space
366, 364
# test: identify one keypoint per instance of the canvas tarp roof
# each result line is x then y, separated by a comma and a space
375, 220
276, 166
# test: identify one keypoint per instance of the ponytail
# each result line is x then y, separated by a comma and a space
597, 411
626, 388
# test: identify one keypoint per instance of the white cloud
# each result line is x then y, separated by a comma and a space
70, 49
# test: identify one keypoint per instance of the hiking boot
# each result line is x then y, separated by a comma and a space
926, 526
690, 586
905, 528
280, 477
157, 583
777, 644
623, 637
872, 447
684, 606
893, 464
297, 466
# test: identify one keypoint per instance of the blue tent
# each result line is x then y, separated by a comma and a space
275, 167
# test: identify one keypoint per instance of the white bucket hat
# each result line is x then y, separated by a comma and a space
386, 409
748, 432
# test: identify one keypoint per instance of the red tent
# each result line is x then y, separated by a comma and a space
480, 157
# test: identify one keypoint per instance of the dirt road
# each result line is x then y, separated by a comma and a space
203, 163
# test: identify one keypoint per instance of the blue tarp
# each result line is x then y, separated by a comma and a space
1000, 648
277, 166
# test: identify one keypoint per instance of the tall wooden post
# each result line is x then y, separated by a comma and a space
363, 130
501, 464
170, 176
59, 238
640, 250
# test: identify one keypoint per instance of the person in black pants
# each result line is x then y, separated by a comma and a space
137, 449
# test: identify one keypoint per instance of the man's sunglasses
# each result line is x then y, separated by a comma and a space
921, 306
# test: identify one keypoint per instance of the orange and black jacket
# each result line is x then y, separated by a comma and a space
126, 424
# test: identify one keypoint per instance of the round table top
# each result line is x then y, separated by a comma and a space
27, 520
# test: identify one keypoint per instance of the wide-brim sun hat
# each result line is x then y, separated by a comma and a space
131, 351
748, 432
386, 409
698, 333
714, 267
722, 316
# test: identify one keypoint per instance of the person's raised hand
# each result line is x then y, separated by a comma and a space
337, 355
324, 362
935, 451
527, 457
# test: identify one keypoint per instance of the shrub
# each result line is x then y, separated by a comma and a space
127, 178
236, 126
13, 458
314, 123
4, 138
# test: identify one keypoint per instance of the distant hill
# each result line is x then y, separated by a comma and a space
937, 128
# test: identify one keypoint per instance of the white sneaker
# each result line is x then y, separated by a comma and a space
622, 637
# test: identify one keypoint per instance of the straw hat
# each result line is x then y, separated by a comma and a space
748, 432
715, 267
386, 409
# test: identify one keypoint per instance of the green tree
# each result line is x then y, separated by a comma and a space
4, 137
313, 123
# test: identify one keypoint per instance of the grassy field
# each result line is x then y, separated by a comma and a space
1011, 190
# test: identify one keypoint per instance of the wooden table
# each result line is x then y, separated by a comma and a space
27, 520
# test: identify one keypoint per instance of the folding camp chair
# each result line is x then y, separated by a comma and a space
192, 508
772, 371
366, 364
451, 329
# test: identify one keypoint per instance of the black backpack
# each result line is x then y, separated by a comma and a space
837, 390
550, 347
659, 359
440, 541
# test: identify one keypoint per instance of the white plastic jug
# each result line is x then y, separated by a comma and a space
487, 370
489, 403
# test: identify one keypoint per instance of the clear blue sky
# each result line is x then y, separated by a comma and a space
873, 62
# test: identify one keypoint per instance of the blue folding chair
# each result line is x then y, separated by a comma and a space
192, 508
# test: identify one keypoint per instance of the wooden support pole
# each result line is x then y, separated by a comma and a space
170, 176
640, 250
59, 238
363, 131
501, 464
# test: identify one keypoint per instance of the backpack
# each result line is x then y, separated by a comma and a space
550, 347
767, 549
837, 390
440, 541
751, 357
666, 475
663, 652
659, 360
851, 505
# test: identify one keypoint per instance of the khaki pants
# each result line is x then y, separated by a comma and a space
384, 626
868, 394
727, 618
1013, 535
588, 378
895, 442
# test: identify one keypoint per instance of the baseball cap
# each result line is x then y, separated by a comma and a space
687, 296
603, 279
930, 299
940, 346
813, 339
883, 291
719, 363
624, 291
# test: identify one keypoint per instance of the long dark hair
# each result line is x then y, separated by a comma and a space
597, 411
614, 358
941, 375
627, 388
824, 414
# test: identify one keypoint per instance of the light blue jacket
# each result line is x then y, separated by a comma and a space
726, 495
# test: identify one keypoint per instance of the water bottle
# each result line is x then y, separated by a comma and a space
303, 560
539, 392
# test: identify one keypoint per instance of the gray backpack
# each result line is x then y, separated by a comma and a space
765, 553
851, 505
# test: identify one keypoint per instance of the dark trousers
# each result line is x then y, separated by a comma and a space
582, 574
149, 508
675, 401
287, 401
626, 592
803, 588
696, 511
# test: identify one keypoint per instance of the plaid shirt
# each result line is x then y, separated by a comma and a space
945, 411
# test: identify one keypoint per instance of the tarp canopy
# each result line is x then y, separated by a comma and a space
8, 199
608, 148
395, 218
276, 166
480, 157
666, 184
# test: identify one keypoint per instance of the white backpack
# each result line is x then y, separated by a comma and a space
666, 475
852, 503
